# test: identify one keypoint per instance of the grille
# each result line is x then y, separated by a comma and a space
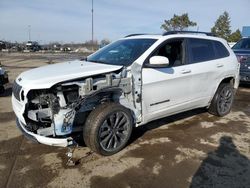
16, 89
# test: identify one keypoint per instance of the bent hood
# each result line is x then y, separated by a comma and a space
47, 76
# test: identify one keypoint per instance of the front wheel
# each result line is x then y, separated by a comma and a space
222, 101
108, 128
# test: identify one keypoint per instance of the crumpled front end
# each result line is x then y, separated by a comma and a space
34, 118
51, 116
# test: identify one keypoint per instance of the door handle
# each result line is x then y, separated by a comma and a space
185, 71
220, 65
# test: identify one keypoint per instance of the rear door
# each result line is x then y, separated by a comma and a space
206, 60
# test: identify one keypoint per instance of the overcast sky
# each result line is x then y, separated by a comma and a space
70, 20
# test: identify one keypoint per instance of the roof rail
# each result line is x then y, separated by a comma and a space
137, 34
189, 32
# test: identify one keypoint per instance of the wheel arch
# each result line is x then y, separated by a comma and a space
113, 95
229, 79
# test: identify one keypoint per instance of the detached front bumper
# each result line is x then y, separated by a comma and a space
62, 142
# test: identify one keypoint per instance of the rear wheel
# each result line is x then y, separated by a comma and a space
108, 128
222, 101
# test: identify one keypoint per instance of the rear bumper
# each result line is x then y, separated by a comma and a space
62, 142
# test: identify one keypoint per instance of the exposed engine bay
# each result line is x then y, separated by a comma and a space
63, 109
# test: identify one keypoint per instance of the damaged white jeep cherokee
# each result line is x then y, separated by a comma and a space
128, 83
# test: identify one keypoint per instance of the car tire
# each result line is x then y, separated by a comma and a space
108, 128
222, 101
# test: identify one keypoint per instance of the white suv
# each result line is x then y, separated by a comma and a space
128, 83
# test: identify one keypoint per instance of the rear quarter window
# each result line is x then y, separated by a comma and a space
220, 49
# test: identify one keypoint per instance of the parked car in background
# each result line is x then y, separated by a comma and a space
32, 46
242, 51
3, 78
2, 45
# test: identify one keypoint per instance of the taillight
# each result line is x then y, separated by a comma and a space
241, 58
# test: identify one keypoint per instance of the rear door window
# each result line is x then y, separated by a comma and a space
201, 50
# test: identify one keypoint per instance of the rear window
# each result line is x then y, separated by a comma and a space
205, 50
242, 44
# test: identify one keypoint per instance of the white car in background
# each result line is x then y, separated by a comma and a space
128, 83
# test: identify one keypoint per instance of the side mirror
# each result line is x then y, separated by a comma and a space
158, 61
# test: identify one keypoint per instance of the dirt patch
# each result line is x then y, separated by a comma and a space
7, 116
224, 167
24, 163
241, 102
157, 169
190, 143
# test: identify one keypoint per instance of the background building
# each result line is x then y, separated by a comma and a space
246, 31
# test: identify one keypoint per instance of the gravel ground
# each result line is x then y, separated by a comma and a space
191, 149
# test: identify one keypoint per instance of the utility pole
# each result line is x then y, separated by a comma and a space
92, 11
29, 27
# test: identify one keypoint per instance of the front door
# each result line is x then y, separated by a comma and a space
167, 90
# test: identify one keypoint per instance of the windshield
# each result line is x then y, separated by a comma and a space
122, 52
242, 44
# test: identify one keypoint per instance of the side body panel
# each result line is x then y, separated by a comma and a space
164, 91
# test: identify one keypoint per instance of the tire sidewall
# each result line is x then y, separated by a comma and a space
221, 88
102, 117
